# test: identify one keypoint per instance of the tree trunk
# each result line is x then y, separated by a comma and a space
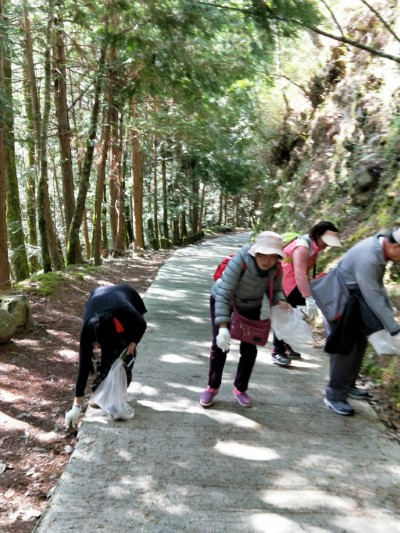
19, 258
155, 190
101, 179
195, 205
202, 207
5, 281
33, 126
73, 236
119, 240
61, 109
49, 242
220, 213
137, 182
113, 175
164, 194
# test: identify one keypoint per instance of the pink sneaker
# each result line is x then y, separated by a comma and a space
207, 397
242, 397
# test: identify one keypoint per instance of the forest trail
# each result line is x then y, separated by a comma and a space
285, 465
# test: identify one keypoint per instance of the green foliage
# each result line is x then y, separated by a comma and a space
386, 372
53, 283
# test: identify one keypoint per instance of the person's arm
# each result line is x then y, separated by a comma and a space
368, 277
300, 265
85, 365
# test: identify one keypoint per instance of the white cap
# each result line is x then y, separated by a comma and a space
331, 238
269, 243
396, 235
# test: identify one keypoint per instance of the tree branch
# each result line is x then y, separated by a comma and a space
357, 44
333, 16
389, 29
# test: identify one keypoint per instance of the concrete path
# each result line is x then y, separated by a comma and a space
286, 465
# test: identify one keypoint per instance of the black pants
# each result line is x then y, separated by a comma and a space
344, 369
248, 354
294, 299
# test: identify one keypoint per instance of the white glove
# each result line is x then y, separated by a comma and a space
312, 309
72, 416
223, 339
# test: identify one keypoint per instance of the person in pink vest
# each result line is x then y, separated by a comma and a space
301, 257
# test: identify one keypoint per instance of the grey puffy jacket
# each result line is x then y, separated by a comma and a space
245, 285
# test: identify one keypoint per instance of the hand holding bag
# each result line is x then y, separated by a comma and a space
112, 393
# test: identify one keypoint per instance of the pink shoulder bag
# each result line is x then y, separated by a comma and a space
252, 331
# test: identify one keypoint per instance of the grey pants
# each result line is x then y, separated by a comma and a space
344, 370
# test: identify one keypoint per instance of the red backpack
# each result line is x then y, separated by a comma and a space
222, 266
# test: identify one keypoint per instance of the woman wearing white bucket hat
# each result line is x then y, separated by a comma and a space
249, 275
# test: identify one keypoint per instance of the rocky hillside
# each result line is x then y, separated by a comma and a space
339, 157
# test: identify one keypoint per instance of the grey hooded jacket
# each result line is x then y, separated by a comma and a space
364, 266
245, 285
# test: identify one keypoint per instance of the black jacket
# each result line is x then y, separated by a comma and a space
357, 317
124, 304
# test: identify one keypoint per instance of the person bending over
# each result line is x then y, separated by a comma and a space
368, 310
246, 278
113, 321
301, 257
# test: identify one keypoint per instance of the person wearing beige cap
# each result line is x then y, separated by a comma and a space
368, 310
248, 276
301, 257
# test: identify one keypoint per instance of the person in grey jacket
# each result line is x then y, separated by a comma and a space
362, 268
246, 279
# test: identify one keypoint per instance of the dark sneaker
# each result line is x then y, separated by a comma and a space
242, 397
207, 397
358, 394
289, 352
340, 408
280, 359
292, 354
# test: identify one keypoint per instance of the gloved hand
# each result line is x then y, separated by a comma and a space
312, 309
72, 416
223, 339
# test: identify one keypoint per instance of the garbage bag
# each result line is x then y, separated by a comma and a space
112, 393
289, 326
383, 343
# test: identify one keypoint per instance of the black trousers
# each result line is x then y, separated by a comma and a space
248, 354
347, 344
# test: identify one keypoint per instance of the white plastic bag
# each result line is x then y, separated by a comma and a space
289, 326
383, 343
112, 393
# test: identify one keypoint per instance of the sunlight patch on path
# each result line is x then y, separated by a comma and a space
244, 451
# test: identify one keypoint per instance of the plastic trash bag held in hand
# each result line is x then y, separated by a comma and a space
289, 326
384, 343
112, 393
